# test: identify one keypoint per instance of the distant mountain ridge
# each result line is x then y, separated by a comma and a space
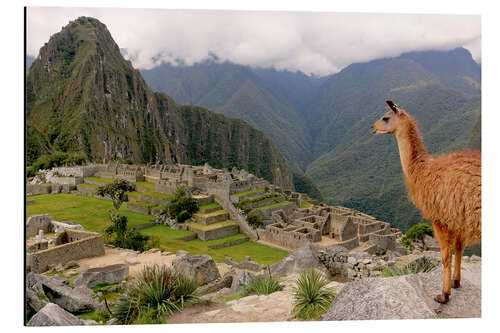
82, 95
328, 132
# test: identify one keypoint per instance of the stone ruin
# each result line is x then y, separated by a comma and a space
328, 225
51, 243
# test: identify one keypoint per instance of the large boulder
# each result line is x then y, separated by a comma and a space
408, 297
241, 280
100, 275
53, 315
200, 267
306, 257
78, 299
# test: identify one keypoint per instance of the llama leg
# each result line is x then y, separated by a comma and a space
459, 250
442, 238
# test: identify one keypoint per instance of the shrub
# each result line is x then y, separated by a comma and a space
264, 285
311, 297
418, 231
420, 266
254, 220
158, 292
55, 159
182, 206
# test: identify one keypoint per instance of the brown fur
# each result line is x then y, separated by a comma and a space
446, 189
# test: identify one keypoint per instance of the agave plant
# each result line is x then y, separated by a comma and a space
157, 293
311, 297
264, 285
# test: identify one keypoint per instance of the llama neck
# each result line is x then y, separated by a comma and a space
412, 151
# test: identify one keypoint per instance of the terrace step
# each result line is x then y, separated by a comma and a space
210, 208
211, 218
215, 230
141, 207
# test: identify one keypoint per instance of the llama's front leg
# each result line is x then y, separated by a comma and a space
459, 250
442, 238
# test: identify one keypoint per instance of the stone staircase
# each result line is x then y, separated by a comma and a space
212, 222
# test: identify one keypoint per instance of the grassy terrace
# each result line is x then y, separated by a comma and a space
88, 185
212, 226
305, 205
157, 195
283, 203
165, 234
218, 241
100, 179
210, 206
148, 185
248, 192
142, 203
93, 215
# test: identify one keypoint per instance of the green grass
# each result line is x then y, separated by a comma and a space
157, 195
148, 185
212, 226
134, 194
100, 179
305, 205
211, 205
283, 203
88, 185
142, 203
218, 241
91, 213
232, 297
164, 233
248, 192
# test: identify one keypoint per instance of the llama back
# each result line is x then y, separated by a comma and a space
450, 192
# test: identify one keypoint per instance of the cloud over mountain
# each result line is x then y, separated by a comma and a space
320, 43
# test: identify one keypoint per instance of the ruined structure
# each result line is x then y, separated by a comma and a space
64, 243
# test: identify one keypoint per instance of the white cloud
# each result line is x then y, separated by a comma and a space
320, 43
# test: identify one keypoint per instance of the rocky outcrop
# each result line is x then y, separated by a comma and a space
53, 315
200, 267
99, 275
408, 297
304, 258
79, 299
241, 280
224, 282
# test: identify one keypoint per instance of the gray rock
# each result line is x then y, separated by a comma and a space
200, 267
113, 321
79, 299
408, 297
241, 280
53, 315
304, 258
98, 275
431, 244
214, 286
35, 300
71, 264
89, 321
352, 261
181, 253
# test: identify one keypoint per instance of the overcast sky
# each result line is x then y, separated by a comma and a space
319, 43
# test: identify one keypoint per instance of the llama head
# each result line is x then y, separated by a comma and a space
390, 121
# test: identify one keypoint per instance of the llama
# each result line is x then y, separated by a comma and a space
446, 189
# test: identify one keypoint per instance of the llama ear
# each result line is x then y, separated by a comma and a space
392, 106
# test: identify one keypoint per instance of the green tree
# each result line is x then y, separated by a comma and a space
182, 206
125, 237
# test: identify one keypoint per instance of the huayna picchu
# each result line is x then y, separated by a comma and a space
83, 96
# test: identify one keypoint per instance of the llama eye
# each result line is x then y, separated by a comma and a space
386, 119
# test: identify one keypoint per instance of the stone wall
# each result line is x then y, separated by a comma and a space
235, 214
46, 189
78, 171
37, 222
64, 180
288, 239
87, 245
